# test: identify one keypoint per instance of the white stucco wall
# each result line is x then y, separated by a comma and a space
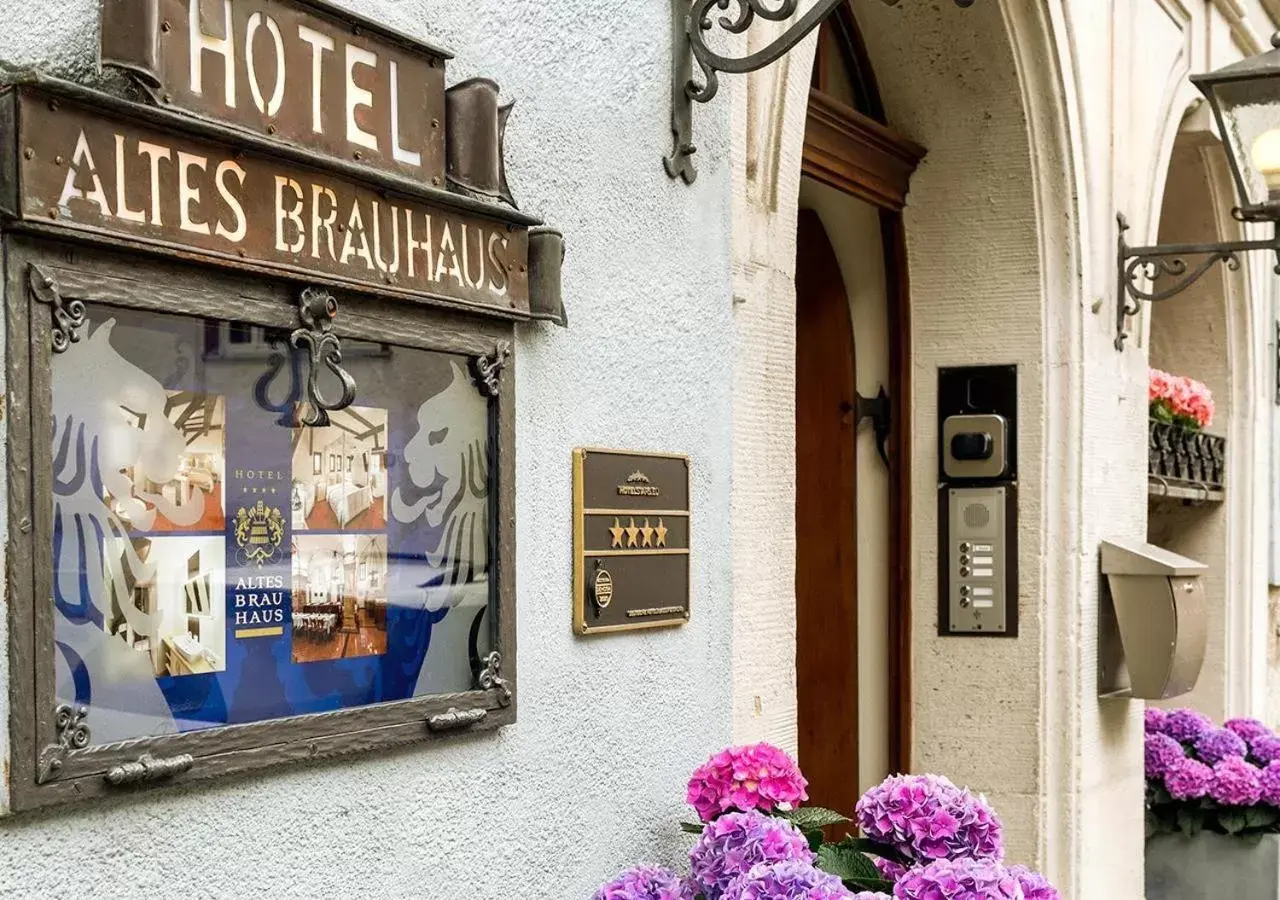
592, 777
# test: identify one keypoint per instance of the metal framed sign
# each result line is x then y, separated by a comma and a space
631, 522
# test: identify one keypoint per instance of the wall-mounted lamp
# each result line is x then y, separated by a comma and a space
691, 23
1245, 97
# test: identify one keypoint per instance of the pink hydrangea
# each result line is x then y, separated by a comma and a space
1161, 752
1265, 748
1248, 729
1186, 724
791, 880
927, 817
960, 879
735, 843
1188, 779
746, 778
1218, 744
1153, 720
645, 883
1269, 782
1034, 885
1236, 783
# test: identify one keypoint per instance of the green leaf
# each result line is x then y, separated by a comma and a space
807, 818
1190, 822
815, 839
846, 863
1233, 821
1260, 817
873, 848
691, 828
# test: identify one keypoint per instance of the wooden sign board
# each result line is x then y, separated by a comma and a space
103, 175
631, 540
301, 71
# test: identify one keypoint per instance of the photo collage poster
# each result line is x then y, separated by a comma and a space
217, 562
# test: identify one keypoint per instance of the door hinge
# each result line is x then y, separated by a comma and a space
878, 410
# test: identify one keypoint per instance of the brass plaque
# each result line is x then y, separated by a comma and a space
631, 540
102, 174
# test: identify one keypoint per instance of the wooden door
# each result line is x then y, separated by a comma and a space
826, 524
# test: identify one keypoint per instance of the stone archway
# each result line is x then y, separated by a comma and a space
994, 267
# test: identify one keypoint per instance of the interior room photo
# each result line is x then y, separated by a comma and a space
168, 599
339, 473
200, 472
339, 596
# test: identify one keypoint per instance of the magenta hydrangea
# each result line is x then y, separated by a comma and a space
1218, 744
1153, 720
1236, 783
1265, 749
1188, 779
871, 895
1249, 729
1034, 885
735, 843
960, 879
1269, 783
1161, 752
790, 880
1186, 725
645, 883
927, 817
746, 778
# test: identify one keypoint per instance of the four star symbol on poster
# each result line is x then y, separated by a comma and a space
645, 535
263, 490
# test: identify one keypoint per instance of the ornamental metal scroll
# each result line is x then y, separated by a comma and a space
1138, 265
317, 310
488, 369
68, 316
491, 678
691, 23
73, 734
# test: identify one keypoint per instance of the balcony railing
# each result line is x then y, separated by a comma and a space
1185, 465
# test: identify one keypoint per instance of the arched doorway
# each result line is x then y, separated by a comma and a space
852, 530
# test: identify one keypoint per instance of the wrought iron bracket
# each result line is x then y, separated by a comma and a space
491, 678
68, 316
316, 311
457, 719
692, 22
488, 369
148, 769
1135, 265
879, 411
73, 734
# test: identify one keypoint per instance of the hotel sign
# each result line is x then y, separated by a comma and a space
299, 71
631, 540
89, 171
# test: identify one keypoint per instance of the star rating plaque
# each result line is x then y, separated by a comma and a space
631, 540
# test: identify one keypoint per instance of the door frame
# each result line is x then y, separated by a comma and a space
859, 154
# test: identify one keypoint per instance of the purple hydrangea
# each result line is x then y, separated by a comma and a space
1161, 752
1186, 725
871, 895
960, 879
1034, 885
1218, 744
1235, 783
735, 843
645, 883
791, 880
1153, 720
1269, 781
1188, 779
927, 817
889, 870
1265, 749
1249, 729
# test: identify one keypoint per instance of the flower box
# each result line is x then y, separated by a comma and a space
1178, 456
1212, 867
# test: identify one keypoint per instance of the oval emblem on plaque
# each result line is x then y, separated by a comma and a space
603, 589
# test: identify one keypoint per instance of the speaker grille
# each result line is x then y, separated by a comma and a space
977, 515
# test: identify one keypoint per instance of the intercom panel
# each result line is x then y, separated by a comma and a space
978, 561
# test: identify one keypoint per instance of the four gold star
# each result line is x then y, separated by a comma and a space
661, 532
647, 533
632, 533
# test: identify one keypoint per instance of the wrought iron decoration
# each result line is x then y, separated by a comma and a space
488, 369
1135, 264
73, 734
68, 317
691, 25
491, 678
316, 311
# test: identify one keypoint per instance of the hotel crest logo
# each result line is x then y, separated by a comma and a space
638, 485
259, 533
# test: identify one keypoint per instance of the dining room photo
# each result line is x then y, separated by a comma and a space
339, 472
339, 597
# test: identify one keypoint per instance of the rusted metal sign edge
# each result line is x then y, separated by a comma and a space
381, 29
197, 127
